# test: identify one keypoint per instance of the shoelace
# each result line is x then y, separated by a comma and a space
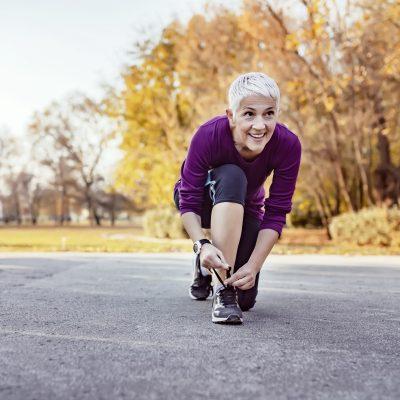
228, 296
228, 293
228, 275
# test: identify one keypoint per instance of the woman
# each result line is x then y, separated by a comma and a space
221, 187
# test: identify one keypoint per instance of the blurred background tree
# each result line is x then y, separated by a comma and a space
337, 64
338, 69
69, 140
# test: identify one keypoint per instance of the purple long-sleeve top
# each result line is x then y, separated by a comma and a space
212, 145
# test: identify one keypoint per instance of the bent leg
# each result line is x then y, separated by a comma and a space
228, 187
234, 233
251, 227
226, 228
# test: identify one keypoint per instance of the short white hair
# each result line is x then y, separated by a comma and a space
252, 83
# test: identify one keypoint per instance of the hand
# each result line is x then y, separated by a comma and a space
244, 278
211, 257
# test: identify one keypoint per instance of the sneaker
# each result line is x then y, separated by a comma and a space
225, 308
201, 287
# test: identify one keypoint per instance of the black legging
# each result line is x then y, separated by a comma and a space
228, 183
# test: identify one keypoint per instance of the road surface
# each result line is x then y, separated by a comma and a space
121, 326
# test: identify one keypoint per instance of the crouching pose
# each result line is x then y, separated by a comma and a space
221, 188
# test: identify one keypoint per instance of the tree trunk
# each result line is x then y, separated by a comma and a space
337, 162
387, 175
89, 207
112, 217
342, 185
17, 209
63, 196
338, 199
97, 217
365, 190
321, 213
324, 195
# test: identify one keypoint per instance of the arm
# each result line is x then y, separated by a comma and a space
193, 175
210, 256
245, 277
278, 204
279, 201
192, 225
265, 242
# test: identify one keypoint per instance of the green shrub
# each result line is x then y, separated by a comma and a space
303, 214
369, 226
163, 223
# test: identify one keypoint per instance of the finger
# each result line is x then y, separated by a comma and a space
218, 263
248, 286
230, 280
237, 275
241, 282
221, 256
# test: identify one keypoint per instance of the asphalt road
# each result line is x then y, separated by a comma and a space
76, 326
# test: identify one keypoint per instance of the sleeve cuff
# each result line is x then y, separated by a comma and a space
276, 227
186, 210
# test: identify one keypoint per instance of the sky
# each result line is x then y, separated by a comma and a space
50, 48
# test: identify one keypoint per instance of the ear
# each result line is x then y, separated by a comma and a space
229, 114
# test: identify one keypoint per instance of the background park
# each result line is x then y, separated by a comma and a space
98, 103
337, 64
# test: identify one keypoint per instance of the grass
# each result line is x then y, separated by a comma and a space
130, 239
88, 239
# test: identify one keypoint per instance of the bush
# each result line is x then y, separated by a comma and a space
370, 226
163, 223
304, 214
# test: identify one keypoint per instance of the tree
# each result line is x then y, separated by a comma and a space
71, 136
338, 68
114, 203
167, 93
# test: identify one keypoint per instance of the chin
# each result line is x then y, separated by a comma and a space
256, 145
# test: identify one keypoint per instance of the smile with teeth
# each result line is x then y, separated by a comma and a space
257, 136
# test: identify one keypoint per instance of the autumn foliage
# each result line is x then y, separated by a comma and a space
338, 68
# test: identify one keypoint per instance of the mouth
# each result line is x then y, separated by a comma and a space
257, 136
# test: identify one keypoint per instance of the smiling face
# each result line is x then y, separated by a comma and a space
253, 124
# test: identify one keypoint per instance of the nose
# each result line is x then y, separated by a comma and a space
259, 124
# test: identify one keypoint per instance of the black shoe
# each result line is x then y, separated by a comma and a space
225, 308
201, 287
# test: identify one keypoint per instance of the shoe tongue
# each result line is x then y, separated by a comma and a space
228, 295
228, 289
218, 288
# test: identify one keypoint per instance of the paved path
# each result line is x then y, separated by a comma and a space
76, 326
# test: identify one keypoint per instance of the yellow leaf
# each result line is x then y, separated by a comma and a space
329, 103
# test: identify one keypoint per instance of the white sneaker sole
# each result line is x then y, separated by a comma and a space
231, 319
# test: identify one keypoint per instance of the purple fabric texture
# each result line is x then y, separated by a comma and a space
212, 146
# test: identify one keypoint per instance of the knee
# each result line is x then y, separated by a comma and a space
232, 182
232, 174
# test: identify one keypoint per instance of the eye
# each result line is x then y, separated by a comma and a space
248, 113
